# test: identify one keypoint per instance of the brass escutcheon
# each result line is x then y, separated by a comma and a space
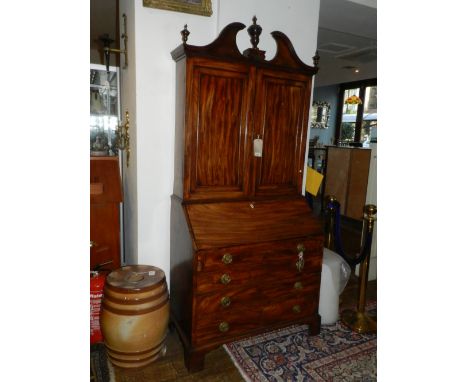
300, 262
223, 326
227, 258
296, 309
225, 301
300, 247
297, 285
225, 279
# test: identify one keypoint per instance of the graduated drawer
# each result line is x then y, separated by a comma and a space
225, 325
229, 300
285, 256
290, 288
221, 281
289, 310
272, 254
238, 258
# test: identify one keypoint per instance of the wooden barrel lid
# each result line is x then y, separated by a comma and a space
136, 277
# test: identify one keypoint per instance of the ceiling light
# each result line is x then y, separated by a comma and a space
356, 70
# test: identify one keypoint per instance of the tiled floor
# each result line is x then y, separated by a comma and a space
218, 365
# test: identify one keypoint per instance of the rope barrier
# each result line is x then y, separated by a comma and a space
333, 207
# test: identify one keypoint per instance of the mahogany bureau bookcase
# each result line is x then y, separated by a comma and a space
246, 251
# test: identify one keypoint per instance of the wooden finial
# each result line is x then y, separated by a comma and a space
254, 31
185, 33
316, 58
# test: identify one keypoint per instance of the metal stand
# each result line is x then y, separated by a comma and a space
359, 321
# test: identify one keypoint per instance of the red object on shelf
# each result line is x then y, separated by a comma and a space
97, 282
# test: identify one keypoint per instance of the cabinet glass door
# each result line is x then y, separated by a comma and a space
104, 110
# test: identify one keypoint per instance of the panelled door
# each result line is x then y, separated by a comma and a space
281, 117
217, 153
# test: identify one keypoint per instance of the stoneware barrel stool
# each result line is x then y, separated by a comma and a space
135, 315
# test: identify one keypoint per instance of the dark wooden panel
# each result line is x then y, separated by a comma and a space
105, 184
281, 104
105, 198
217, 152
235, 223
105, 233
357, 187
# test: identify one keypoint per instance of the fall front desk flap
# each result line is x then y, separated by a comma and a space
235, 223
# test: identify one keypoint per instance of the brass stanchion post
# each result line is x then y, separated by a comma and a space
359, 321
330, 201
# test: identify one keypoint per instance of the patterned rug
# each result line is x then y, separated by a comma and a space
290, 355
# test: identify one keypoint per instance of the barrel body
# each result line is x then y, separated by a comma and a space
135, 315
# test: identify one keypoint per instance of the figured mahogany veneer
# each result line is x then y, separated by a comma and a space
246, 251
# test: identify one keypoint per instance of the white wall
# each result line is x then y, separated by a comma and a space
129, 102
298, 19
152, 95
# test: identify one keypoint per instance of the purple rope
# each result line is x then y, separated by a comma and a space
352, 261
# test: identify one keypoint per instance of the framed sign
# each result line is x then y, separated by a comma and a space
320, 115
196, 7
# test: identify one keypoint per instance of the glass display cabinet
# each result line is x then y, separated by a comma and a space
104, 113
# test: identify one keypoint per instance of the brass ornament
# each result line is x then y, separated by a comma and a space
225, 301
227, 258
225, 279
123, 137
296, 309
300, 262
223, 327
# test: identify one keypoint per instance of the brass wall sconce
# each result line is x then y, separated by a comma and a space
123, 137
107, 41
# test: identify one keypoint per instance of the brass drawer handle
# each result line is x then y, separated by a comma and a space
300, 262
227, 258
296, 309
223, 326
298, 285
301, 247
225, 301
225, 279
